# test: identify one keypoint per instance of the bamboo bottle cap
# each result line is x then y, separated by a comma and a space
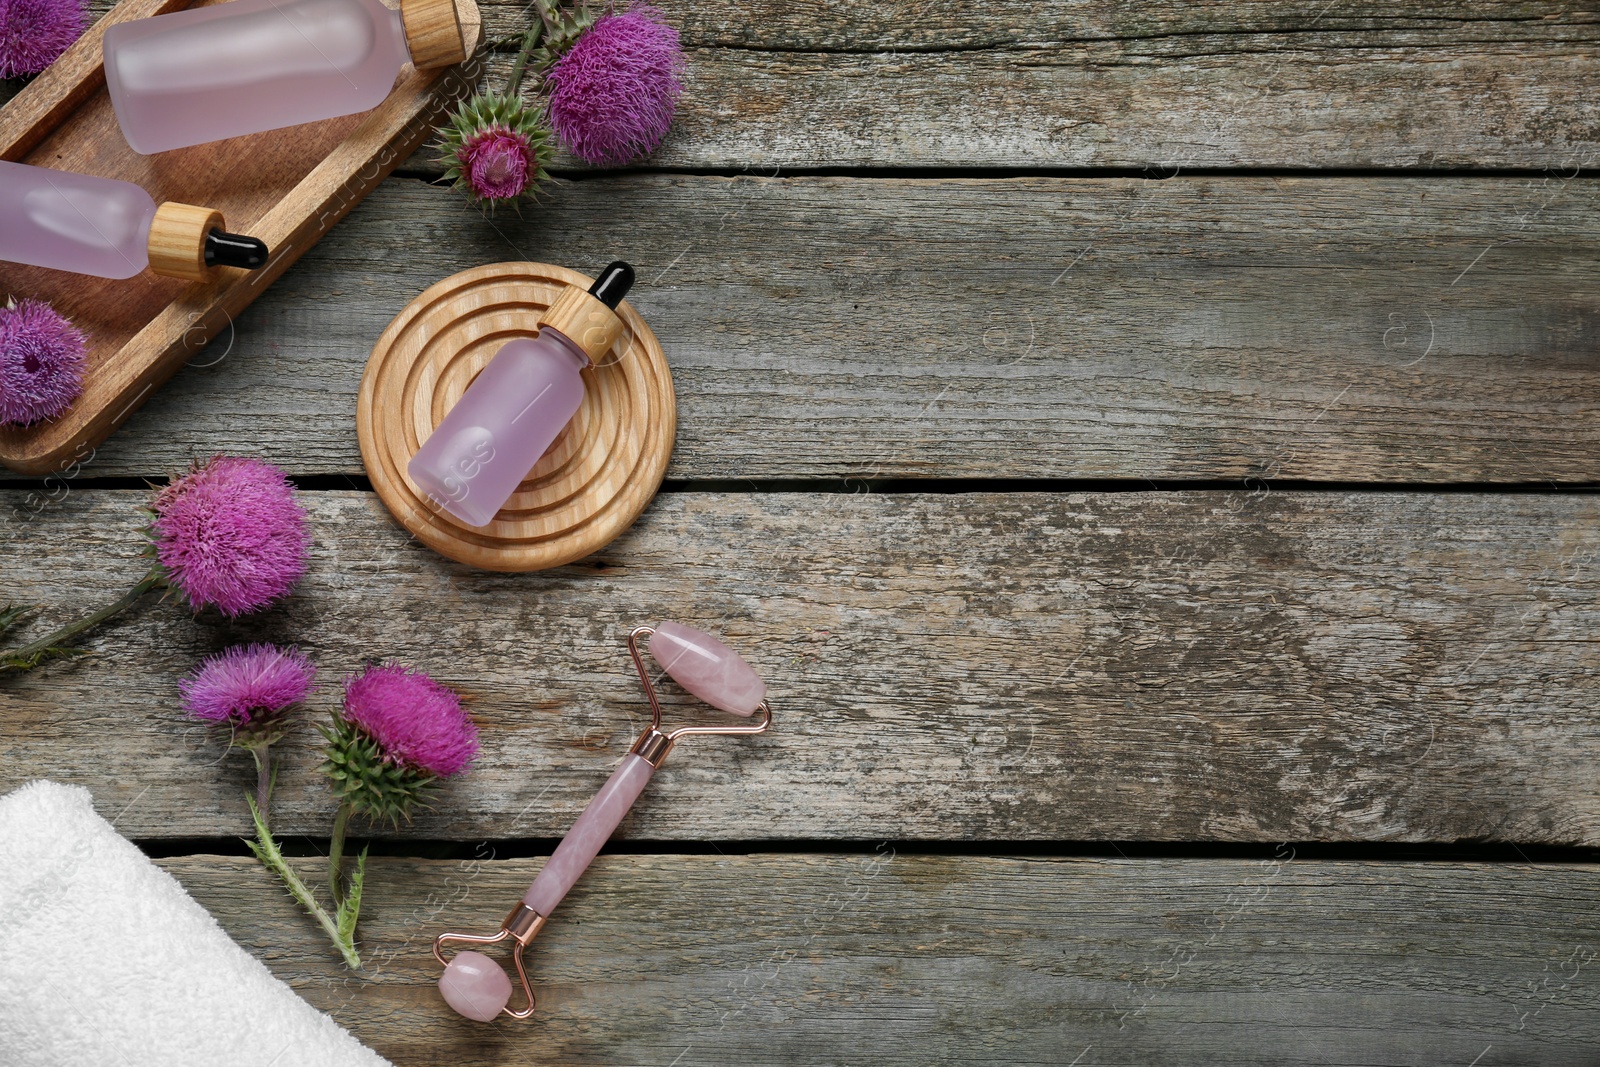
433, 33
584, 319
177, 243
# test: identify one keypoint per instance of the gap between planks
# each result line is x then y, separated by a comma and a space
1199, 666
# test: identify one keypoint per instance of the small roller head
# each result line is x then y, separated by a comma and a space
475, 986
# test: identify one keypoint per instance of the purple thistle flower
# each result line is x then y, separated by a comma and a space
496, 164
34, 33
496, 148
41, 362
613, 94
230, 533
247, 685
418, 723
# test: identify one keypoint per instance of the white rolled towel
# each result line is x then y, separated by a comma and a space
105, 960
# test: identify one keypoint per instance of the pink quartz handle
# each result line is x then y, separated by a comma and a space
593, 828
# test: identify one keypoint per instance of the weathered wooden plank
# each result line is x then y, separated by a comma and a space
1100, 84
908, 959
1169, 86
1201, 83
1333, 329
1219, 666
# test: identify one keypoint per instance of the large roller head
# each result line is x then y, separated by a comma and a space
707, 668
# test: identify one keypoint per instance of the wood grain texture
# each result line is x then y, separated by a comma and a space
434, 33
889, 958
1250, 666
1193, 666
285, 187
598, 474
1097, 83
1355, 329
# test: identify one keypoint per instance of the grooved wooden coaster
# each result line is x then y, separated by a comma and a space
598, 475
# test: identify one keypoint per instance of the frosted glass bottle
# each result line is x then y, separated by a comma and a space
517, 406
110, 228
207, 73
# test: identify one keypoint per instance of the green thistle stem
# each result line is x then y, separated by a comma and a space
266, 850
263, 757
530, 41
336, 853
47, 648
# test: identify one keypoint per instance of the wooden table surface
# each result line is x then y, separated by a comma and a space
1149, 450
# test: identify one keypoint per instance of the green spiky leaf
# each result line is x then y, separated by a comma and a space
350, 909
373, 786
13, 614
562, 28
14, 661
265, 849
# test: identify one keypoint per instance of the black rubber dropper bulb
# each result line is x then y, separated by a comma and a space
235, 250
613, 284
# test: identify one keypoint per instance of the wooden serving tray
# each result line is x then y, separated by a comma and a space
286, 187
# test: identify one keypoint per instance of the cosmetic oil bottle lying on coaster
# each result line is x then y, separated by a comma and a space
516, 408
477, 986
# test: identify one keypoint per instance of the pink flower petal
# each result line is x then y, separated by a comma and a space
230, 533
415, 720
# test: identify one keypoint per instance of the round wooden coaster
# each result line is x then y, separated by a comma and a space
598, 475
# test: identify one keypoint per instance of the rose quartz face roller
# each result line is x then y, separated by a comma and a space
477, 986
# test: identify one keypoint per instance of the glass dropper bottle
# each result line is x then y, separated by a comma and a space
225, 70
517, 406
112, 229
